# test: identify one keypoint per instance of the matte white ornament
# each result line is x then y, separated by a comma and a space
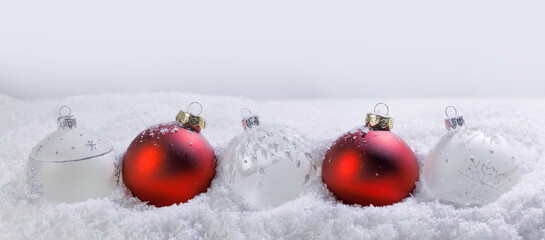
72, 164
267, 165
469, 166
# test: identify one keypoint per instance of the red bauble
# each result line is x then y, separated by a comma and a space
169, 164
375, 167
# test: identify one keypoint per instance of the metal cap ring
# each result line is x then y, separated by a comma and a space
64, 107
447, 108
189, 106
247, 109
381, 103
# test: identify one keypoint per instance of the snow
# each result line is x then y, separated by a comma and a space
218, 214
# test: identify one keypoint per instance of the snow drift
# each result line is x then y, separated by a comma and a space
219, 214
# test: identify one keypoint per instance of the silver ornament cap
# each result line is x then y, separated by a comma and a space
249, 120
66, 121
451, 123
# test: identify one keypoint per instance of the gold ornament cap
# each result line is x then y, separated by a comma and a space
193, 121
378, 121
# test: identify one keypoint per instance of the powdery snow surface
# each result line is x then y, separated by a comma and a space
218, 214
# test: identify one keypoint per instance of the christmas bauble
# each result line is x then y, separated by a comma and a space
371, 165
72, 164
469, 165
267, 165
170, 163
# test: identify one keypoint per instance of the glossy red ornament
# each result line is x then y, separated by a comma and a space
169, 164
370, 166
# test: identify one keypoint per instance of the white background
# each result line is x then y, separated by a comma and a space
275, 49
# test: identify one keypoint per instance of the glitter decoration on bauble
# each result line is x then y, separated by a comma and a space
267, 165
170, 163
370, 165
469, 166
72, 164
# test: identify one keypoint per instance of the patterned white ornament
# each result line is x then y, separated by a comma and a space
267, 165
469, 166
72, 164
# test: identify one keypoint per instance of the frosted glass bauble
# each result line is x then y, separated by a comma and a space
470, 167
72, 164
268, 165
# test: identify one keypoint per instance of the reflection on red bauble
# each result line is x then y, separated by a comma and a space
376, 168
169, 164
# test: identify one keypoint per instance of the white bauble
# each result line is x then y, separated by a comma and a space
470, 167
267, 165
72, 164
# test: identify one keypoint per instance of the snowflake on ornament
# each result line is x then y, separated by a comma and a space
483, 173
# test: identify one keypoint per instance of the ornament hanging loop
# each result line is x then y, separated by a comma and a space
242, 111
455, 111
383, 104
65, 107
200, 106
